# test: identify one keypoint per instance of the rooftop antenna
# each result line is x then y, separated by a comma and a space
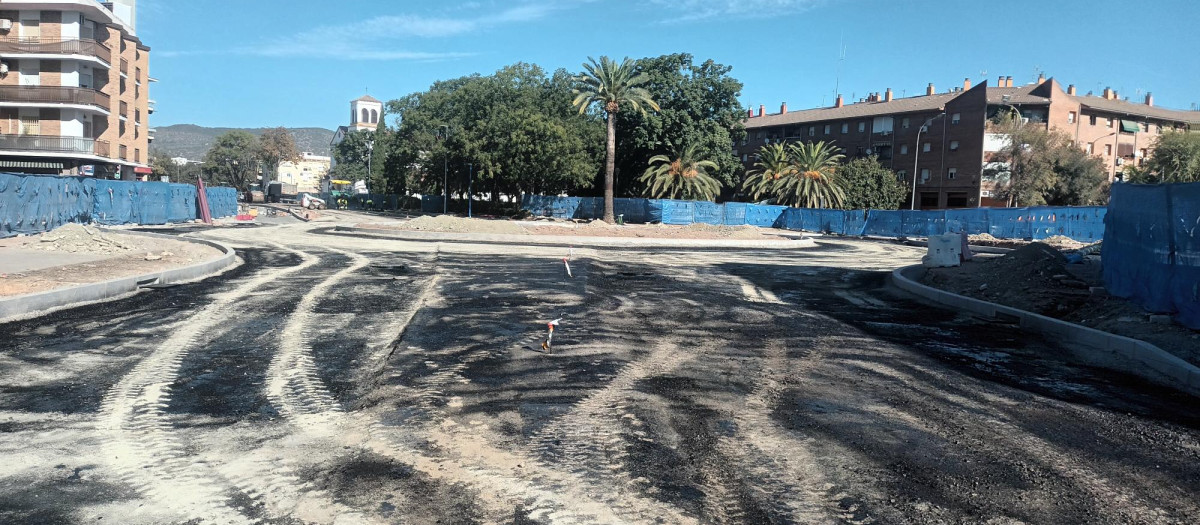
1037, 71
837, 85
983, 75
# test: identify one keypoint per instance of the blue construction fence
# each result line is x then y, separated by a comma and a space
1084, 224
1151, 248
38, 203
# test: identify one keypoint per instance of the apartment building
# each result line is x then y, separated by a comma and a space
74, 89
940, 143
306, 172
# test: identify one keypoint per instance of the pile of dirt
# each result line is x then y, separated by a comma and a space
78, 238
449, 223
727, 232
1034, 278
1064, 243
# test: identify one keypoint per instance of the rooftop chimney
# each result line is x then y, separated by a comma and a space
749, 113
762, 110
1000, 82
783, 109
929, 90
1008, 82
888, 96
1149, 99
966, 84
1041, 78
1071, 90
838, 103
1108, 93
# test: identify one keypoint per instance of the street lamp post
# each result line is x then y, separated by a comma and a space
370, 154
917, 157
470, 182
444, 133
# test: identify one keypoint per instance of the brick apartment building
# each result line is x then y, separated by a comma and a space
74, 89
947, 157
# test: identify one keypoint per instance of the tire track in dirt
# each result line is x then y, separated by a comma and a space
140, 438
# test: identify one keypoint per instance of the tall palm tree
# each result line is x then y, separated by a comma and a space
612, 85
774, 163
683, 177
814, 183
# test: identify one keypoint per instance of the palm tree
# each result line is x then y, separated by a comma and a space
774, 162
612, 85
683, 177
814, 183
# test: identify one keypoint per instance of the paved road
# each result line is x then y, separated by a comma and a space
351, 379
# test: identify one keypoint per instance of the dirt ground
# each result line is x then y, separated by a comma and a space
336, 378
1059, 242
596, 228
1037, 278
108, 255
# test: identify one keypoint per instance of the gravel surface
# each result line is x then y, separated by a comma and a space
334, 378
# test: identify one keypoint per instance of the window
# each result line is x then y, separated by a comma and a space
374, 116
985, 193
954, 145
951, 173
956, 118
812, 131
1071, 117
1108, 150
904, 123
929, 199
31, 126
924, 175
845, 128
904, 149
366, 116
926, 148
862, 126
1158, 129
1091, 147
902, 174
745, 157
1110, 122
1092, 120
827, 128
31, 30
761, 135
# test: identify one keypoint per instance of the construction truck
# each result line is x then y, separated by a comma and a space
340, 192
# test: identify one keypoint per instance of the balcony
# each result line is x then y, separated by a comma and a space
52, 144
42, 46
54, 95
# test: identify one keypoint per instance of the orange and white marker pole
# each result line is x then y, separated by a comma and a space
550, 334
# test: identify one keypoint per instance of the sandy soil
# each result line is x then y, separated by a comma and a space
114, 254
1037, 278
1058, 241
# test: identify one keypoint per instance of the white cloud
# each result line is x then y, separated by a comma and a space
380, 38
691, 10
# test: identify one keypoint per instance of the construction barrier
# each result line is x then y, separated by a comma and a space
1084, 224
38, 203
1151, 248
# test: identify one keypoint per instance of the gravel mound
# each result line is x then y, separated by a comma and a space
728, 232
78, 238
448, 223
1033, 278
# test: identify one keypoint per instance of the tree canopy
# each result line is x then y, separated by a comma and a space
274, 146
1176, 158
1039, 167
233, 160
869, 185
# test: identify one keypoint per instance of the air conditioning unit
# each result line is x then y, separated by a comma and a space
5, 25
3, 68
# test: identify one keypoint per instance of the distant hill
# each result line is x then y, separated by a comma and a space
192, 142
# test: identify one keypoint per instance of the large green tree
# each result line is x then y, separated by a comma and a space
163, 166
698, 107
611, 85
360, 150
233, 160
870, 185
1176, 158
1038, 166
807, 179
516, 128
276, 145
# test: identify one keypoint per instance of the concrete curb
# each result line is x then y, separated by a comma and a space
1092, 347
583, 242
32, 305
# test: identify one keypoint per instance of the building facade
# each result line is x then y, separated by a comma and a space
305, 173
940, 143
365, 112
74, 89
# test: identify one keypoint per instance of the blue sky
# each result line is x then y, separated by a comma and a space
251, 63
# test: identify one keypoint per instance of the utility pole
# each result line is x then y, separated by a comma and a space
444, 131
470, 182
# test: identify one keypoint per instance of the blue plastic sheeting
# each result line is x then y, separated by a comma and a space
708, 212
1152, 248
765, 216
678, 212
654, 211
182, 205
153, 202
114, 202
222, 202
30, 204
634, 210
735, 213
